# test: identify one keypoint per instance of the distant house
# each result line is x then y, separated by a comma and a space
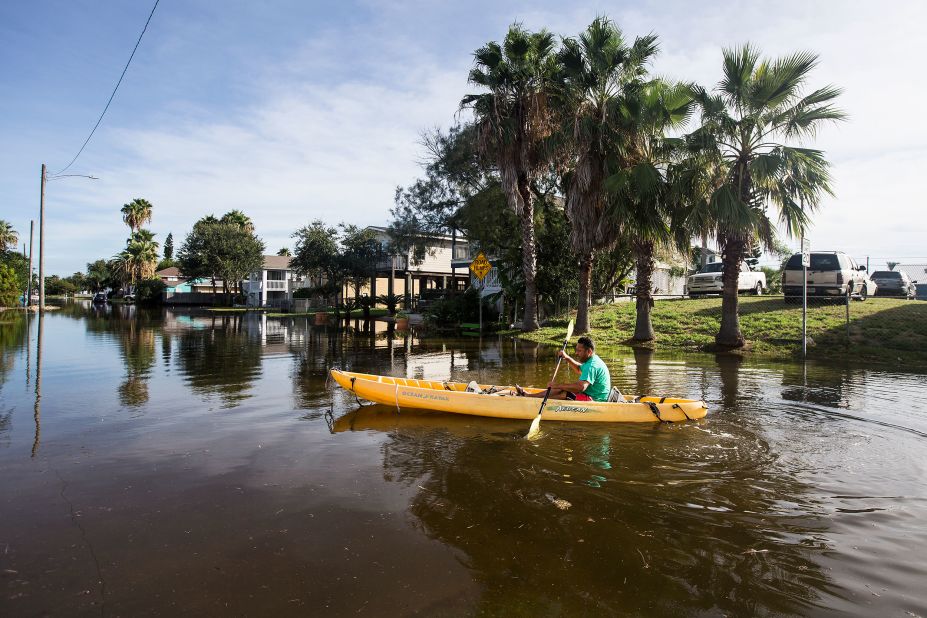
464, 256
917, 272
274, 284
178, 283
442, 268
174, 280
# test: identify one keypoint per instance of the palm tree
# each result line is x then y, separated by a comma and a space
238, 218
513, 119
646, 202
143, 236
9, 239
758, 105
136, 213
600, 72
285, 252
137, 262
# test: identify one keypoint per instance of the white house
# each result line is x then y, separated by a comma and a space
273, 285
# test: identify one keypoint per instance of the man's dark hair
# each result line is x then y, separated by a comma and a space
587, 343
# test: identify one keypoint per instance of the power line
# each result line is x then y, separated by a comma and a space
100, 119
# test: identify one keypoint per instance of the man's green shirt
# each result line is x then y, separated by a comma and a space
595, 372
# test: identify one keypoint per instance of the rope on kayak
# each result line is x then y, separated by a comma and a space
356, 398
655, 410
683, 410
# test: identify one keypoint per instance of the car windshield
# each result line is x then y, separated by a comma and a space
712, 268
886, 274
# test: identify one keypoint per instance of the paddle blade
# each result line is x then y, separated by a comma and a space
569, 332
535, 428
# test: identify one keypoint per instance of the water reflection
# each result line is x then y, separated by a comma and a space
37, 408
137, 348
218, 356
606, 521
13, 335
797, 492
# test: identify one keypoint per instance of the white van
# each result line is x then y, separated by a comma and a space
831, 274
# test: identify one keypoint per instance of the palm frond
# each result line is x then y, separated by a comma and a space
739, 64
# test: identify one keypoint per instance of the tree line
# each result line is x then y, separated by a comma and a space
579, 160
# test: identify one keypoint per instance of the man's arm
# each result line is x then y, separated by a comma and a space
577, 387
575, 365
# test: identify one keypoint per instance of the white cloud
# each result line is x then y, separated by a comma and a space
330, 128
302, 151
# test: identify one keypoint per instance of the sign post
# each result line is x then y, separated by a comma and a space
480, 267
805, 263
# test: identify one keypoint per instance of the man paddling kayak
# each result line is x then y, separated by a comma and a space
594, 382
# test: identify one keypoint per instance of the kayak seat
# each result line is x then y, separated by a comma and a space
615, 396
473, 387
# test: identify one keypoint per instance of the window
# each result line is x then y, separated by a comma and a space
886, 274
276, 275
824, 261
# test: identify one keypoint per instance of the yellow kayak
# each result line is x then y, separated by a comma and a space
495, 403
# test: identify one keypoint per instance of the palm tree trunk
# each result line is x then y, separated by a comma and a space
643, 328
733, 249
585, 294
529, 255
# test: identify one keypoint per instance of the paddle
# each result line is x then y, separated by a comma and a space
536, 423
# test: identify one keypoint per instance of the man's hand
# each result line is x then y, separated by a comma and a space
562, 354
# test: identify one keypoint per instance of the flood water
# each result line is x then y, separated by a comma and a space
188, 463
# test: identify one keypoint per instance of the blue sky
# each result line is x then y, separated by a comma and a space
293, 111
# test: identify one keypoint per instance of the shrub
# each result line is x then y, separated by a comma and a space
461, 308
149, 292
773, 279
391, 301
9, 287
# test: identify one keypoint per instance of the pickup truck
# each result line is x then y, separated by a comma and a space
708, 280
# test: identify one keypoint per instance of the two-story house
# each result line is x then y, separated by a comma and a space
274, 284
438, 270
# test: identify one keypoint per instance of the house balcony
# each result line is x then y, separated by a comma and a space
388, 263
276, 286
463, 256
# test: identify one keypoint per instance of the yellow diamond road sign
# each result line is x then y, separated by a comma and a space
480, 266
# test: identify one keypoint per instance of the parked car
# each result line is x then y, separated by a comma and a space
832, 274
708, 280
99, 298
871, 287
894, 283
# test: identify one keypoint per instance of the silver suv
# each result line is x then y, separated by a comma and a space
832, 274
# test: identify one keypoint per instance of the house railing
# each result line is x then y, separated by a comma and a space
399, 262
276, 285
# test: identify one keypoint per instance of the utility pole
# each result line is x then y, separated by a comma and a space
42, 244
29, 276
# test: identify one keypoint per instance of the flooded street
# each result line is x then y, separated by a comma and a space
190, 463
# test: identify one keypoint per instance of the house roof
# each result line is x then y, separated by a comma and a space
277, 262
382, 230
917, 272
171, 271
